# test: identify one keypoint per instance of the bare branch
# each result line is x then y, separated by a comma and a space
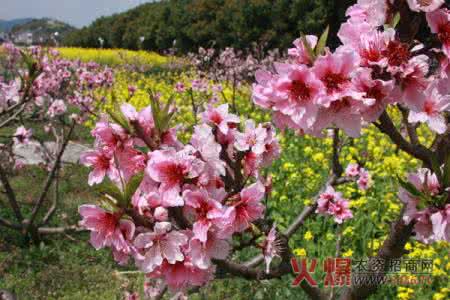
49, 180
410, 128
300, 219
52, 230
138, 219
393, 248
418, 151
161, 294
13, 117
8, 224
52, 208
10, 194
284, 268
336, 165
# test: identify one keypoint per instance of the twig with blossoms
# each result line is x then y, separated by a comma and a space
376, 66
32, 90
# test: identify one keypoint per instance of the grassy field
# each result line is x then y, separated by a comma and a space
67, 267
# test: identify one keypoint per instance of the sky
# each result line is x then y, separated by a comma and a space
77, 13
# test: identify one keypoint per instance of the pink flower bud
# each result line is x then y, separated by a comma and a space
161, 214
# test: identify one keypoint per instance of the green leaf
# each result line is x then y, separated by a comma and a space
395, 20
113, 191
308, 47
409, 187
322, 42
118, 117
132, 186
436, 167
446, 177
441, 200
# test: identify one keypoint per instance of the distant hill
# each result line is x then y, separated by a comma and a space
40, 31
218, 23
7, 25
43, 26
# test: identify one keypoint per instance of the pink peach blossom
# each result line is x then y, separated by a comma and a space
441, 224
413, 79
271, 247
439, 23
205, 211
181, 275
300, 53
106, 228
425, 6
340, 210
171, 169
297, 93
102, 164
335, 70
377, 94
252, 139
365, 180
247, 207
423, 227
201, 253
109, 136
352, 170
204, 141
219, 116
22, 135
58, 107
157, 246
429, 108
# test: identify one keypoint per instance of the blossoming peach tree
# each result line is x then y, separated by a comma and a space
180, 210
39, 89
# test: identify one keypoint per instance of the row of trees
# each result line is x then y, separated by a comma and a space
218, 23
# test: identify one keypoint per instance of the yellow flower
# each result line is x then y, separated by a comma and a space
394, 207
408, 246
288, 166
348, 253
438, 296
374, 245
307, 150
348, 231
318, 157
403, 296
300, 252
329, 236
308, 236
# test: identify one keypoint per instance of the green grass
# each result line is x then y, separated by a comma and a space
62, 266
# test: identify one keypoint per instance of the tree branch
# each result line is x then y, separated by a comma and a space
418, 151
300, 219
52, 230
336, 165
410, 128
49, 180
8, 224
10, 194
13, 117
393, 248
52, 208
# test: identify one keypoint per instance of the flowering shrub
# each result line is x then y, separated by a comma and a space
39, 89
204, 185
173, 206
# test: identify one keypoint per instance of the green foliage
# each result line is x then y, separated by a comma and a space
218, 23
